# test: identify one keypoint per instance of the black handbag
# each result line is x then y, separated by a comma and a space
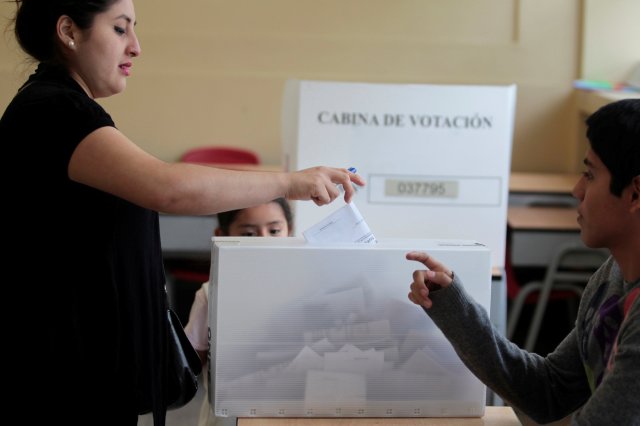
184, 365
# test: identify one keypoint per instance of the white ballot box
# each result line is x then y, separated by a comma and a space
436, 158
299, 329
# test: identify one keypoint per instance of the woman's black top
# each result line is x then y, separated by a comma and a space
89, 279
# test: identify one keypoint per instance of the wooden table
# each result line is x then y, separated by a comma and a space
554, 219
494, 416
537, 231
550, 189
542, 183
589, 101
541, 214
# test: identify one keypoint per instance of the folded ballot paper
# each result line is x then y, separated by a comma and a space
345, 225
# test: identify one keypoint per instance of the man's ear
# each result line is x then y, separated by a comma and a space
218, 232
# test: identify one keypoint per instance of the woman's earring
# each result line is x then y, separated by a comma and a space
72, 44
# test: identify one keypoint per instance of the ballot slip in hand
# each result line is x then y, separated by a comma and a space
345, 225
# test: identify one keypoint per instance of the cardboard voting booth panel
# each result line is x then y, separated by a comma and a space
306, 330
436, 157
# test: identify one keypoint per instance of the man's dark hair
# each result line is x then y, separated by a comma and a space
614, 134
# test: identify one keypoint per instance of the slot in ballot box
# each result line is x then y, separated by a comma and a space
322, 330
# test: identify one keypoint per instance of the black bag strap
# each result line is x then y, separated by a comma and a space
184, 364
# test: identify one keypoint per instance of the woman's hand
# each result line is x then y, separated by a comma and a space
319, 184
437, 276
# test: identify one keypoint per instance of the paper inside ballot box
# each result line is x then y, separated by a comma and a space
299, 329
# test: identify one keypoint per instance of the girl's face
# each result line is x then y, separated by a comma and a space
101, 58
266, 220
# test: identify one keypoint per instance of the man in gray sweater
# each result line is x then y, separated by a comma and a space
594, 373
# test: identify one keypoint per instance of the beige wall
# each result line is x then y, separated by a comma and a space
611, 39
213, 71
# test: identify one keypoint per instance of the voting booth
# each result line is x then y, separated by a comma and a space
326, 330
436, 158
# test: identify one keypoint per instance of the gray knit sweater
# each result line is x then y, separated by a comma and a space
594, 372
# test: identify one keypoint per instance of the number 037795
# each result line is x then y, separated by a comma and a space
421, 188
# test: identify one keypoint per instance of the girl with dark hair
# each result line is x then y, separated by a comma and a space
273, 219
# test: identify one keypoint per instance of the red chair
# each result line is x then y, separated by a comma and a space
220, 154
188, 275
